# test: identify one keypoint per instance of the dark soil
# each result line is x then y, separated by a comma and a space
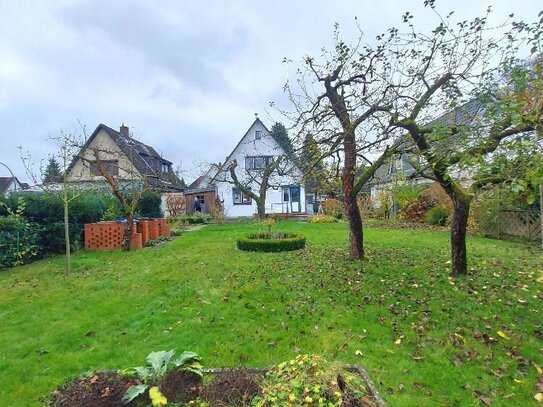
181, 386
229, 388
101, 389
234, 388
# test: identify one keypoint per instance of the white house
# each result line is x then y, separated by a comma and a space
254, 152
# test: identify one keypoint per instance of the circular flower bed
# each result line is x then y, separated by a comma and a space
271, 242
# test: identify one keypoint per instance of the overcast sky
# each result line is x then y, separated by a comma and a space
185, 76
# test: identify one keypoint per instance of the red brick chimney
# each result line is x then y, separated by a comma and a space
125, 130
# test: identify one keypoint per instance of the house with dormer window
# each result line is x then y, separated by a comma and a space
257, 157
125, 158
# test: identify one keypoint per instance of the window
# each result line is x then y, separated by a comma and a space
258, 134
201, 198
258, 162
240, 198
395, 165
165, 168
111, 167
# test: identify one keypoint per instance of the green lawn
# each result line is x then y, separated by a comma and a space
426, 340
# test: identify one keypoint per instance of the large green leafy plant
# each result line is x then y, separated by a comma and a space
158, 365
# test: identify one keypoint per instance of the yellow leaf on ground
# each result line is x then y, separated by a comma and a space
157, 398
358, 352
398, 341
503, 334
539, 397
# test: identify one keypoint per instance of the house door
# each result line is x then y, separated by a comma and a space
291, 199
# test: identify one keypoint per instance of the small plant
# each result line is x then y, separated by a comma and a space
18, 237
333, 208
322, 219
158, 365
384, 204
309, 380
157, 241
176, 231
270, 222
438, 215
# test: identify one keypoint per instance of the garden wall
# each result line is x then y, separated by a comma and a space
109, 235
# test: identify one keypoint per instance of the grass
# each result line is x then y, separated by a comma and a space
424, 338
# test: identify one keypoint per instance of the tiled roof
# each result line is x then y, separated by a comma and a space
144, 158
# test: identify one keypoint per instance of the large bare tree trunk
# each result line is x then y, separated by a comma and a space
459, 227
261, 202
356, 247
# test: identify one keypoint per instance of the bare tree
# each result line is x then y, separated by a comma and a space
125, 182
258, 179
458, 66
68, 144
342, 101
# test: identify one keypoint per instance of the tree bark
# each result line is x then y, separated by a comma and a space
356, 246
127, 239
459, 227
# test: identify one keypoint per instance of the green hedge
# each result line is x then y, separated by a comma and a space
18, 241
271, 242
47, 212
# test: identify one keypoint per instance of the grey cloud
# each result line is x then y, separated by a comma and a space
190, 50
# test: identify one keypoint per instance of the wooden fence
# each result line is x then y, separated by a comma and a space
493, 221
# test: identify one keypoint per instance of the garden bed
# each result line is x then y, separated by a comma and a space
271, 242
307, 380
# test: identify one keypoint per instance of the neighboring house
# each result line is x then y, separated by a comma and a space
406, 166
11, 184
203, 189
256, 149
127, 159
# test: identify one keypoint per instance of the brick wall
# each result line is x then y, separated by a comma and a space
109, 235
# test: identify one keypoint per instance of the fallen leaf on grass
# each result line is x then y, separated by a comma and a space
503, 335
358, 352
539, 397
416, 357
481, 396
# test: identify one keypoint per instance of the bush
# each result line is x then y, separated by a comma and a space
149, 205
322, 219
364, 205
271, 242
384, 204
438, 215
406, 192
18, 241
415, 211
334, 208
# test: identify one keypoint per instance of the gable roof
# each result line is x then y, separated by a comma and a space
6, 182
461, 115
257, 120
144, 158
